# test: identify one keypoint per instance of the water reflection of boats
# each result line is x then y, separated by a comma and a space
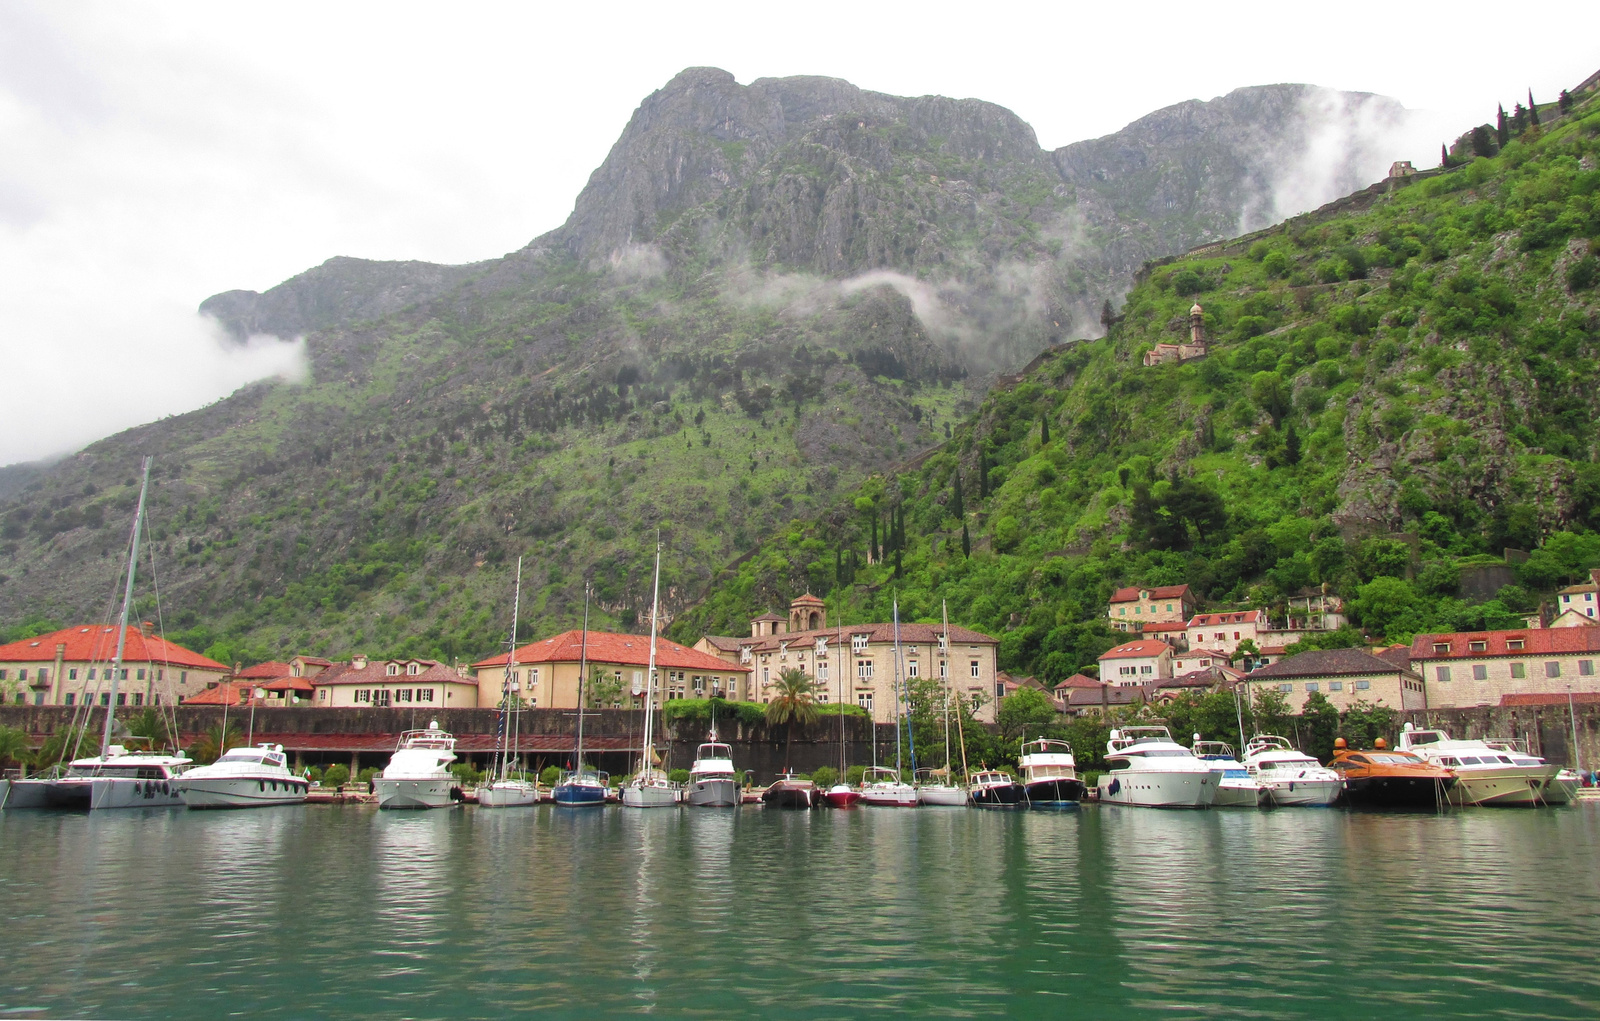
1151, 770
1289, 776
1485, 775
1236, 786
1050, 774
1386, 778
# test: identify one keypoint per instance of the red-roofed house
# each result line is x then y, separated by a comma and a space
268, 671
69, 666
227, 693
1139, 662
1480, 668
401, 683
1132, 608
1220, 633
865, 671
546, 672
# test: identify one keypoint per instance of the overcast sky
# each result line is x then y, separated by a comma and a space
154, 154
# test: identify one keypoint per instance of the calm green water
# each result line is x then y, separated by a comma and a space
1125, 913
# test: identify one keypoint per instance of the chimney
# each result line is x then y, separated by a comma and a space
147, 628
359, 662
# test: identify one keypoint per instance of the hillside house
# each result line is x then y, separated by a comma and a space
1219, 634
73, 665
544, 674
1131, 609
398, 683
1137, 662
1343, 676
1480, 668
1182, 352
857, 661
1580, 599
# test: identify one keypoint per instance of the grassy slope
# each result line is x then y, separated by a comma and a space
1430, 351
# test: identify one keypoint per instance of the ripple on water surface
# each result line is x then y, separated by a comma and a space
348, 912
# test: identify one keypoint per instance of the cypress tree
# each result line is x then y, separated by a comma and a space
1444, 155
1107, 317
1044, 429
957, 506
873, 546
1291, 445
966, 541
1564, 101
897, 564
1519, 118
1502, 130
1533, 109
838, 568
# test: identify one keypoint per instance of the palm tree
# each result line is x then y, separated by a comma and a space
15, 749
793, 701
212, 743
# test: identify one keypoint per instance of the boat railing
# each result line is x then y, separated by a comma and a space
1047, 746
1213, 749
1509, 744
1268, 742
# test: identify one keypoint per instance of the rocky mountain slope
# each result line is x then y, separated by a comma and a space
764, 294
1397, 389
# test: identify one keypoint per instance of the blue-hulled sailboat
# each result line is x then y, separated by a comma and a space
581, 786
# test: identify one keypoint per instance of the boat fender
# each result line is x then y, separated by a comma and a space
1114, 786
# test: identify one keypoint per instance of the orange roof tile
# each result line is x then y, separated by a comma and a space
264, 671
226, 693
1497, 643
1131, 594
97, 643
1135, 650
605, 647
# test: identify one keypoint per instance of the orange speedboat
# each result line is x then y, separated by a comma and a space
1386, 778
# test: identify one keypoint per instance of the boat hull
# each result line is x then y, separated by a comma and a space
999, 796
841, 797
1304, 793
714, 793
945, 797
1055, 792
1563, 789
890, 795
1397, 791
1156, 789
396, 793
1513, 787
781, 795
508, 794
1235, 794
240, 792
649, 797
577, 795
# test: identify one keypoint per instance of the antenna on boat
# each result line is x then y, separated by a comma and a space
127, 605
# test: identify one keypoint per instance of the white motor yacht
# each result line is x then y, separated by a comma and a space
1237, 787
1485, 775
934, 788
117, 779
713, 783
418, 774
1151, 770
243, 778
1289, 776
882, 786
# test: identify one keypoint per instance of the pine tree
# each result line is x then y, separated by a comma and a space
958, 507
966, 541
1291, 445
1481, 145
1533, 109
1044, 429
1502, 130
1564, 101
1519, 118
1107, 316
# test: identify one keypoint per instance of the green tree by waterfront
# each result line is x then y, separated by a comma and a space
213, 743
1026, 710
15, 748
793, 701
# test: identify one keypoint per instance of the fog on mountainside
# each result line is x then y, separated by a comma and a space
764, 294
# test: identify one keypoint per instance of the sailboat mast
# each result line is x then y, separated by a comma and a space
506, 682
841, 663
127, 606
516, 704
961, 735
650, 673
898, 776
583, 668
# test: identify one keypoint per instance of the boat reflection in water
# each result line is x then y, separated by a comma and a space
1386, 778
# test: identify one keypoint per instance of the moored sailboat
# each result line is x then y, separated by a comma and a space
937, 787
581, 786
505, 790
650, 787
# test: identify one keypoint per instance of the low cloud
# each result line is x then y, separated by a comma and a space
638, 262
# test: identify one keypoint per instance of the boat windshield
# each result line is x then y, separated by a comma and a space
1158, 753
1288, 763
251, 758
1392, 759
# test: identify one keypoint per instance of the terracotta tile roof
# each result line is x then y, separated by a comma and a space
1258, 617
1131, 594
1273, 650
1078, 681
910, 634
1327, 663
1115, 694
376, 672
289, 684
1579, 697
1535, 641
1135, 650
98, 643
226, 693
1163, 626
605, 647
727, 644
315, 661
263, 671
1573, 590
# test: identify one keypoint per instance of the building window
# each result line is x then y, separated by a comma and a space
70, 698
1137, 610
974, 668
1519, 670
392, 669
1480, 672
1363, 685
402, 695
1441, 646
362, 694
183, 677
412, 669
1286, 688
1335, 685
858, 643
944, 670
1586, 667
380, 697
1513, 643
977, 701
1147, 669
72, 675
1478, 646
864, 669
911, 668
141, 673
1441, 673
22, 674
1311, 685
122, 698
864, 700
424, 694
822, 671
1122, 611
322, 694
1552, 669
138, 698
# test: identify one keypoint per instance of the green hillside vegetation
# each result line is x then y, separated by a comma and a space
1397, 390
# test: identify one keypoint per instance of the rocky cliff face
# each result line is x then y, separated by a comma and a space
764, 294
